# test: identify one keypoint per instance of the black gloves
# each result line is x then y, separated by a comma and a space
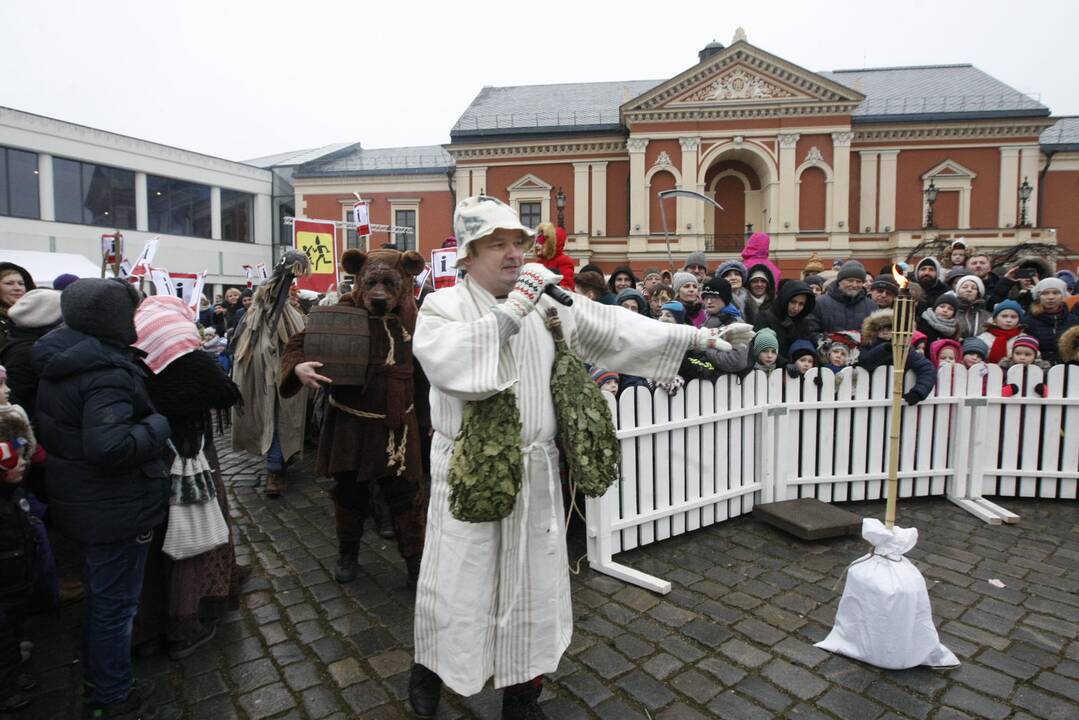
913, 397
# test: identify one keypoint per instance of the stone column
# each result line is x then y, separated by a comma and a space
1008, 203
142, 203
637, 198
46, 198
460, 184
841, 181
479, 181
215, 213
599, 198
788, 189
888, 161
580, 199
690, 213
867, 198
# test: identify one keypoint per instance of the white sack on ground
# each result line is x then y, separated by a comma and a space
884, 616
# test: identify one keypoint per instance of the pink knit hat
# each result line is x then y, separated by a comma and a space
166, 330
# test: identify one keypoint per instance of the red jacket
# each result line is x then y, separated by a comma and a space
559, 262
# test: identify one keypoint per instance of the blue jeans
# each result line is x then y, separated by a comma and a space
275, 461
114, 580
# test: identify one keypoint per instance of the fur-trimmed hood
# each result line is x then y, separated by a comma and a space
1068, 344
1043, 265
877, 322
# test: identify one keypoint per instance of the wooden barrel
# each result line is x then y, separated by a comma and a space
339, 337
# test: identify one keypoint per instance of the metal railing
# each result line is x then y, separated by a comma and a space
541, 119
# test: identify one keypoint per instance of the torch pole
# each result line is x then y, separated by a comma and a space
902, 331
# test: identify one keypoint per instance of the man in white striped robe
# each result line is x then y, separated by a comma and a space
494, 597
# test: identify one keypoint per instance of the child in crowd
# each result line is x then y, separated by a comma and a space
1002, 329
672, 312
1025, 351
607, 380
211, 343
974, 351
938, 322
944, 352
765, 350
803, 358
18, 554
836, 356
919, 343
633, 299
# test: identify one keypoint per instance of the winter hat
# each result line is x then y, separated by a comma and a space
1069, 279
731, 265
649, 272
36, 309
978, 283
975, 345
101, 308
930, 260
1049, 283
959, 243
681, 278
623, 270
675, 308
814, 265
635, 295
477, 217
1008, 304
758, 271
1027, 341
450, 242
590, 267
954, 274
886, 282
601, 375
948, 298
591, 280
814, 280
62, 281
799, 348
166, 331
718, 287
696, 258
917, 338
851, 269
937, 345
765, 339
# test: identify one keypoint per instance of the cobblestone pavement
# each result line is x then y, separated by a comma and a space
734, 638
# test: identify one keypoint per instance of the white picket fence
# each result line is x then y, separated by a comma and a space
714, 449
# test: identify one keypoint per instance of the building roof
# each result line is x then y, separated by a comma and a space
1063, 136
297, 157
919, 93
934, 92
568, 107
413, 160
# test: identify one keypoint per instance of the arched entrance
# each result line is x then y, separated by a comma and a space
742, 178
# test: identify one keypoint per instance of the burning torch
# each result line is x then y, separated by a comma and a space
902, 332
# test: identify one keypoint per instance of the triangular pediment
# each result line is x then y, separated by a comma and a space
529, 182
739, 76
949, 168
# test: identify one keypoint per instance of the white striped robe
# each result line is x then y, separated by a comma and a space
489, 604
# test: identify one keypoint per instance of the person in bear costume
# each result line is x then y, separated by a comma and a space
551, 252
371, 432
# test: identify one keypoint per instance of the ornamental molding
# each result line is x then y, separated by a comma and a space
721, 112
952, 132
842, 139
738, 84
663, 161
788, 140
636, 145
814, 155
689, 143
555, 148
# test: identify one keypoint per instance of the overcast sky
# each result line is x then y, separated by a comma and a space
239, 79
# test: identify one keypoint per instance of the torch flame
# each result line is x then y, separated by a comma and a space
900, 277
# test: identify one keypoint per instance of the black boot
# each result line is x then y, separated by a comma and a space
521, 702
345, 570
424, 691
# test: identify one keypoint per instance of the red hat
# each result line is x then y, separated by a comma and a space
1027, 341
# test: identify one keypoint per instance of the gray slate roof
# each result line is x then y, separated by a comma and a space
523, 109
297, 157
1063, 136
931, 92
413, 160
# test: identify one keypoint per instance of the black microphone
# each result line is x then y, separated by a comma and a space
559, 294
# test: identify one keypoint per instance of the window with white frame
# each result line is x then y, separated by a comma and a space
531, 212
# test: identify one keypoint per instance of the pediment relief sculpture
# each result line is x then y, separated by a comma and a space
738, 84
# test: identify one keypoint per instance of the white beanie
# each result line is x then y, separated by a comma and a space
974, 279
1049, 283
38, 308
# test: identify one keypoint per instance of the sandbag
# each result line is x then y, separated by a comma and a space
884, 617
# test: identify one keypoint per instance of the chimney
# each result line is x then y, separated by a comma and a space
709, 50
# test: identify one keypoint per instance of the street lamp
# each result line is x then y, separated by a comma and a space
1025, 191
930, 198
560, 202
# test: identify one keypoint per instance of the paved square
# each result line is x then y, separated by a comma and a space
733, 639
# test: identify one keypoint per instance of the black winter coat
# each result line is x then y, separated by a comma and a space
925, 375
788, 329
22, 374
106, 473
836, 311
18, 550
1048, 329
